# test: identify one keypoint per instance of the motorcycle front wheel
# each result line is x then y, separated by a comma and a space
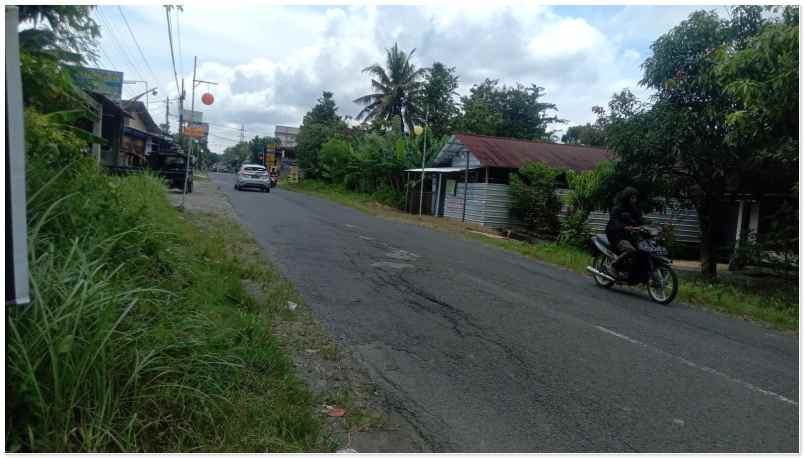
599, 264
663, 285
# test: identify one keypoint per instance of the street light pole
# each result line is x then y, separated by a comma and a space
139, 81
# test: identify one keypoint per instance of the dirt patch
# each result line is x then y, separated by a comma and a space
332, 373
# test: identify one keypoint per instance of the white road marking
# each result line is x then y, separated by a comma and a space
706, 369
366, 238
350, 226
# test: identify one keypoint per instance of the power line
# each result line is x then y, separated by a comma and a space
108, 23
172, 57
262, 134
156, 80
178, 35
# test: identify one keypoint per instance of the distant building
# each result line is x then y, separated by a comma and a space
287, 140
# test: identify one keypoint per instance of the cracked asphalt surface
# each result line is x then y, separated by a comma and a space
481, 349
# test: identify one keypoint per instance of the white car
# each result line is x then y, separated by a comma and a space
253, 176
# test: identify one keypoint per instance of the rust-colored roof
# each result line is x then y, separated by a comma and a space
513, 153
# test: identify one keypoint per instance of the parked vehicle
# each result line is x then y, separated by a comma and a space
253, 176
650, 266
172, 168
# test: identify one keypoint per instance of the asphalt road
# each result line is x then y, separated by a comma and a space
486, 350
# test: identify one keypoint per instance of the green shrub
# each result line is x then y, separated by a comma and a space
533, 198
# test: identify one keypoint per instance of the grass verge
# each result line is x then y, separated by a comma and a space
141, 336
765, 300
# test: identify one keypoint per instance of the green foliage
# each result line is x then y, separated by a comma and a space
533, 198
587, 134
503, 111
69, 36
139, 336
319, 125
479, 117
397, 90
763, 77
440, 86
589, 190
335, 155
257, 147
685, 143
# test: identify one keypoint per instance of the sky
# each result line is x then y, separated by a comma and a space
272, 62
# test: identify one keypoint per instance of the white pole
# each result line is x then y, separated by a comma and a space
424, 153
189, 139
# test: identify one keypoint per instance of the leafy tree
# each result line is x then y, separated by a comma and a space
324, 112
763, 77
69, 36
440, 86
398, 90
503, 111
50, 36
588, 134
681, 142
257, 147
320, 124
480, 117
533, 198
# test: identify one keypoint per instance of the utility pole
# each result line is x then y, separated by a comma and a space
424, 153
242, 133
189, 138
167, 113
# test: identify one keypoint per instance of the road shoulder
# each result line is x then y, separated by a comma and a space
330, 370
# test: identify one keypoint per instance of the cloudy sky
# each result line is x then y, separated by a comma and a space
273, 62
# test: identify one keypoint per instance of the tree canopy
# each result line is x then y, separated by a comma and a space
397, 90
517, 112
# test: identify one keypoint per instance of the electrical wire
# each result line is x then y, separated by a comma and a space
262, 134
178, 35
108, 24
133, 37
172, 57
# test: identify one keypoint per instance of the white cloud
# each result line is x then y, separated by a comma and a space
272, 63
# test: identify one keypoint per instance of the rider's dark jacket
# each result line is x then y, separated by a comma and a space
622, 215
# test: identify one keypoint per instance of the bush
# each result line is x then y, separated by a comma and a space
589, 190
333, 159
533, 198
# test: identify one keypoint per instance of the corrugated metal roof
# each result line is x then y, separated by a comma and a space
441, 169
513, 153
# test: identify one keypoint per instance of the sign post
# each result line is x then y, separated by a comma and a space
17, 288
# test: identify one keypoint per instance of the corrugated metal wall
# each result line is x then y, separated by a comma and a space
684, 221
487, 204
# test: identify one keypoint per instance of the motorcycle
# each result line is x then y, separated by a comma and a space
650, 266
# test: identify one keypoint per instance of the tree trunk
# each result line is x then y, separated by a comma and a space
706, 218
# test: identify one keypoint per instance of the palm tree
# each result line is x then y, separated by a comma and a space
397, 90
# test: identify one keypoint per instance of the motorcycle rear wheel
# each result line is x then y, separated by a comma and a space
663, 285
599, 264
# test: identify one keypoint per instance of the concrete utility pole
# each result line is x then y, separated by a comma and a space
424, 153
196, 82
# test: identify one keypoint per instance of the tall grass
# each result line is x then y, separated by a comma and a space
139, 336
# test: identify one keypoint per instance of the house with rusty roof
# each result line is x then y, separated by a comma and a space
469, 177
469, 181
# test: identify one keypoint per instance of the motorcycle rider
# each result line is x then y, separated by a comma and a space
624, 219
